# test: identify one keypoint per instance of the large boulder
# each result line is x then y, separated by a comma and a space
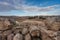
0, 36
35, 33
7, 32
58, 35
4, 24
27, 37
25, 31
10, 36
55, 26
4, 37
18, 36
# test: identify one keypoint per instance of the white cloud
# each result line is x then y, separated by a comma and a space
31, 10
4, 3
28, 8
35, 8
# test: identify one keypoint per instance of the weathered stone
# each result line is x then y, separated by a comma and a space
39, 29
4, 24
10, 36
36, 35
7, 32
4, 37
7, 22
27, 37
45, 36
18, 36
58, 35
17, 30
32, 28
25, 30
0, 37
18, 23
34, 31
55, 26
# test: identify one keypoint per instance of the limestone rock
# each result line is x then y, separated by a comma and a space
4, 24
4, 37
0, 37
28, 37
55, 26
24, 31
18, 36
32, 28
58, 35
34, 31
7, 32
45, 36
10, 37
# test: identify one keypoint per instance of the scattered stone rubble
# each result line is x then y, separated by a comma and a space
42, 28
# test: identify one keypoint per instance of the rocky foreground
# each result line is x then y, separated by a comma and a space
30, 28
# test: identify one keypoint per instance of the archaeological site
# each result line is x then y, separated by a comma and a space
30, 28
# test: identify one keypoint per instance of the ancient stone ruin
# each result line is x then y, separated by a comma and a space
30, 28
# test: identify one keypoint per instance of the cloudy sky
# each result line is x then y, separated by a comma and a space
29, 7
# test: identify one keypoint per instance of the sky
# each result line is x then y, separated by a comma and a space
29, 7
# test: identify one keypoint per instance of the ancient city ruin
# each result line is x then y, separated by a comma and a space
30, 28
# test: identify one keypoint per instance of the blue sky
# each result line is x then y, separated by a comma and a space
29, 7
